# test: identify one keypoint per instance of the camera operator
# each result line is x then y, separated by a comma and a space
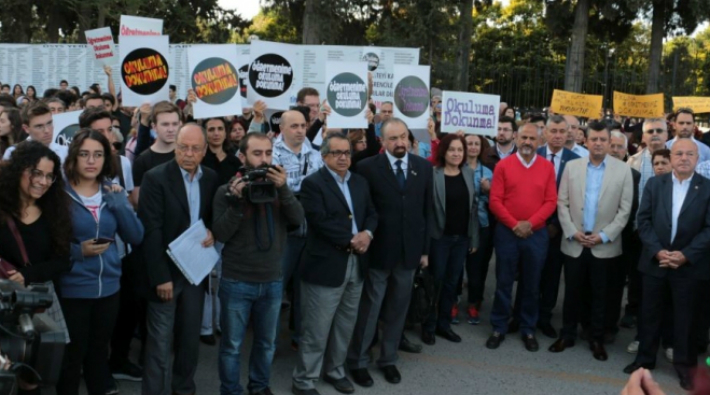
253, 231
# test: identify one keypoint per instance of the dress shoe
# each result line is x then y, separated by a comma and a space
628, 321
344, 386
513, 326
634, 366
494, 341
311, 391
686, 383
406, 346
530, 343
428, 338
561, 344
449, 335
209, 340
362, 377
265, 391
547, 330
598, 351
391, 374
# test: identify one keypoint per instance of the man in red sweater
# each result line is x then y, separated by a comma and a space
523, 196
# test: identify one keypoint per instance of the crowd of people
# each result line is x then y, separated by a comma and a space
348, 225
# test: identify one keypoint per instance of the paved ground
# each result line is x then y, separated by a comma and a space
469, 367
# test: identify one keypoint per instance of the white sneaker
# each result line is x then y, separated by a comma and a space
669, 354
633, 347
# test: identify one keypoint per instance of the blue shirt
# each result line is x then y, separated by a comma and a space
482, 172
595, 177
343, 185
192, 188
703, 150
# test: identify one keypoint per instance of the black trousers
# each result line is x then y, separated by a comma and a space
684, 295
632, 253
131, 313
578, 271
550, 280
90, 323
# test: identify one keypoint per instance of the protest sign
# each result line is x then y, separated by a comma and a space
65, 127
696, 103
243, 71
139, 26
272, 74
381, 62
643, 106
411, 95
346, 92
474, 113
144, 69
215, 80
570, 103
101, 42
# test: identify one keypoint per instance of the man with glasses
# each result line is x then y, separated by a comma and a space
175, 196
684, 125
342, 220
505, 143
37, 123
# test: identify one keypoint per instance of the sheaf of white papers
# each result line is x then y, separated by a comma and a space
195, 261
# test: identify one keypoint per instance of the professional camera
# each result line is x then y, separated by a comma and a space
32, 341
259, 189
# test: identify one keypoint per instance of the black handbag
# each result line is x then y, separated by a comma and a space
423, 297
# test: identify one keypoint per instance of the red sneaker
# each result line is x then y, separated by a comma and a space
473, 315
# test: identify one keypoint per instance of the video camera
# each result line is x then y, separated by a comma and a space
32, 340
259, 189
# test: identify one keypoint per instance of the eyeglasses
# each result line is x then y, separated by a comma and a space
194, 149
43, 127
505, 129
340, 154
38, 174
656, 131
95, 155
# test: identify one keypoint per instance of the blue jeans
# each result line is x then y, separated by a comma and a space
240, 300
446, 258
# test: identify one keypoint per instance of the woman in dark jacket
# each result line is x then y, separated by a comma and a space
221, 155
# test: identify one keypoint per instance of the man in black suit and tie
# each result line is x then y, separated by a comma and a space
401, 188
342, 219
674, 226
173, 197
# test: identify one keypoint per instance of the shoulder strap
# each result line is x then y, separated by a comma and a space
20, 244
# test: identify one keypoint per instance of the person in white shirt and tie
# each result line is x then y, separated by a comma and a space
571, 143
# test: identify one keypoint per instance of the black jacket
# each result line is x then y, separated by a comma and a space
402, 235
325, 259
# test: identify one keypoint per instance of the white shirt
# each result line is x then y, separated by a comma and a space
93, 204
393, 165
61, 150
579, 150
557, 159
680, 190
527, 165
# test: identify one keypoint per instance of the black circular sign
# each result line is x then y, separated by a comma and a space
243, 77
373, 61
275, 122
66, 135
347, 94
411, 96
215, 81
270, 75
145, 71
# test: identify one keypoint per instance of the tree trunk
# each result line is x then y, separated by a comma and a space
311, 22
574, 71
464, 52
658, 32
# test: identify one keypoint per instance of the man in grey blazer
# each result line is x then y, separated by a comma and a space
594, 203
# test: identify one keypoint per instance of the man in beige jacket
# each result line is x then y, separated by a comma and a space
593, 206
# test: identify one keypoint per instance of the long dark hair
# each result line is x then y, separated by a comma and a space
54, 203
17, 134
108, 171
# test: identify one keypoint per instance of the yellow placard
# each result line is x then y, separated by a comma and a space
642, 106
570, 103
696, 103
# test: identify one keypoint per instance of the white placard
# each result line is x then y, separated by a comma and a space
273, 74
140, 26
474, 113
346, 92
411, 95
65, 127
145, 69
101, 41
381, 62
215, 80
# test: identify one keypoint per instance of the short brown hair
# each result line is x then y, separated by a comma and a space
164, 107
666, 153
90, 115
33, 110
355, 135
307, 91
108, 171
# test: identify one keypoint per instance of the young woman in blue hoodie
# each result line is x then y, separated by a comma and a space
89, 292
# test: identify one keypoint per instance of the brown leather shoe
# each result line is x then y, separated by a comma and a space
561, 344
598, 351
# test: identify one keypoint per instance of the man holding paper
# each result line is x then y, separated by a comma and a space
174, 196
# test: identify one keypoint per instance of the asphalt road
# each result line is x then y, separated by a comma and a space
467, 367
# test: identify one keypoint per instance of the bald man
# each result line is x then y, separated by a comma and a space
174, 196
674, 226
294, 152
571, 141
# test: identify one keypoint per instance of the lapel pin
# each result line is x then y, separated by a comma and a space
696, 187
415, 173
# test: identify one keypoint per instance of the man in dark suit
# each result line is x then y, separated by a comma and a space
173, 197
674, 225
401, 188
342, 219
